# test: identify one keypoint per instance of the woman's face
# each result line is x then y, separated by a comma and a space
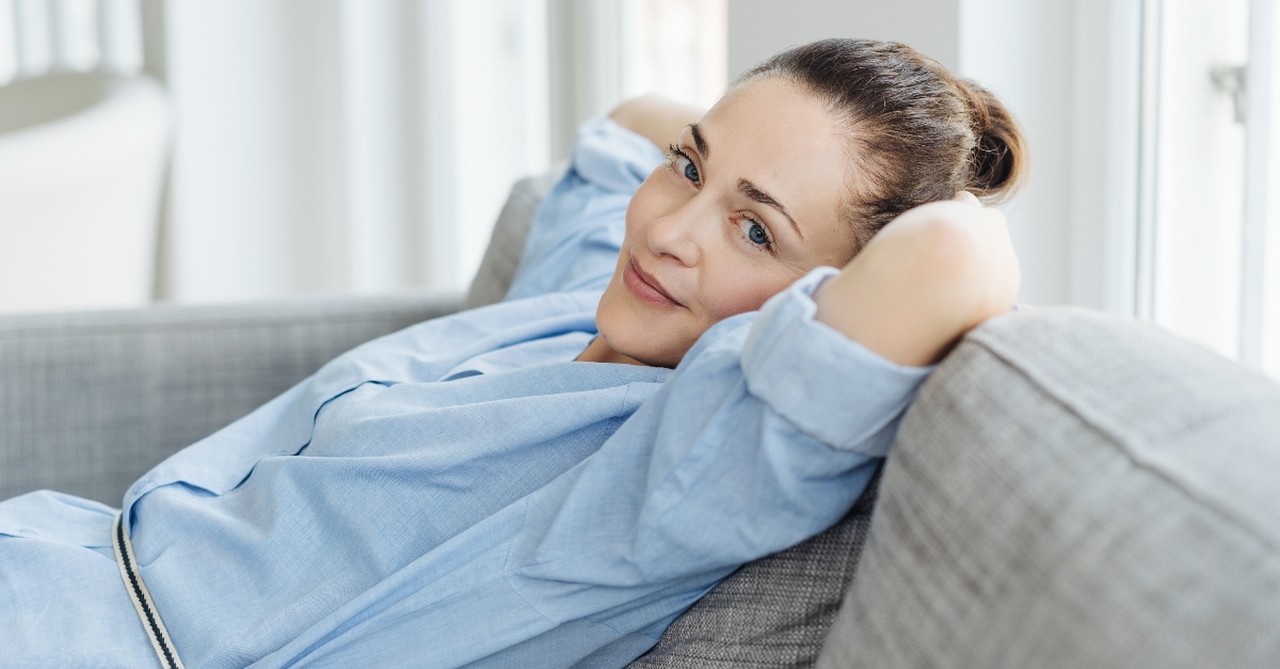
747, 202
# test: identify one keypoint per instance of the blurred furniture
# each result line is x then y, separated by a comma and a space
82, 163
1070, 489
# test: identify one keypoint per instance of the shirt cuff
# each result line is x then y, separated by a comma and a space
613, 157
829, 386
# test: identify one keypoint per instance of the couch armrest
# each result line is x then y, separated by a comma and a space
90, 401
1074, 489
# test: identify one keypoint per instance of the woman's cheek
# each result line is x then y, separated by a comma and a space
733, 301
760, 293
645, 205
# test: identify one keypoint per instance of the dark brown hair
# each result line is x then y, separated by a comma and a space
917, 133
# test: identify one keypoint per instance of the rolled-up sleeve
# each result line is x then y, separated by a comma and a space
578, 228
765, 435
828, 386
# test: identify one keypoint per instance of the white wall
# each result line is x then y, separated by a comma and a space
1105, 147
1022, 51
760, 28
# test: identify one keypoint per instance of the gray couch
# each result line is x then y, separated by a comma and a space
1069, 490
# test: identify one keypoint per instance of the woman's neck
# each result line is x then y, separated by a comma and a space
600, 351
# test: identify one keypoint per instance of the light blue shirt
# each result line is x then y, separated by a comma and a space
464, 492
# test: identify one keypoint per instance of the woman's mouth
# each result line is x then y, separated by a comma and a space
645, 286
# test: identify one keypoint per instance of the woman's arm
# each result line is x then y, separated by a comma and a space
657, 118
764, 435
930, 276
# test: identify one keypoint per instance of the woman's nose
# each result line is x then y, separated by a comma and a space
678, 234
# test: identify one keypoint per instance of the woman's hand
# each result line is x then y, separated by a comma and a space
655, 117
928, 277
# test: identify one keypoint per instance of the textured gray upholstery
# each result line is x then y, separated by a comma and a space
1075, 490
774, 612
90, 401
506, 243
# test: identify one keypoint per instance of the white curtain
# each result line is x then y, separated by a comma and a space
336, 146
361, 146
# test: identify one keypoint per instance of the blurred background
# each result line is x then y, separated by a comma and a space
189, 151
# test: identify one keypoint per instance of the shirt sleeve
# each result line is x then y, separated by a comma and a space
765, 435
578, 228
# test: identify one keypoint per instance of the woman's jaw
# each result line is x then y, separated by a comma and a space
642, 321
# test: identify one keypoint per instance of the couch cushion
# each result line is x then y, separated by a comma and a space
774, 612
506, 243
90, 401
1072, 489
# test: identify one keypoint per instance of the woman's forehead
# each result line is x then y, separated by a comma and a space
783, 140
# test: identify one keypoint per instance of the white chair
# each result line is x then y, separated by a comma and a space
82, 164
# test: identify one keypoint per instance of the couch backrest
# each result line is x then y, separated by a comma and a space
90, 401
1072, 489
506, 243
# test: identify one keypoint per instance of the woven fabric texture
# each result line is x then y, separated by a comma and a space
90, 401
1075, 490
774, 612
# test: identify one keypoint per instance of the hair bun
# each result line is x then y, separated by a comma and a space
998, 161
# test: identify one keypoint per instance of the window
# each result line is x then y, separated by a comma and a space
38, 36
1209, 237
604, 51
370, 144
8, 48
678, 48
531, 65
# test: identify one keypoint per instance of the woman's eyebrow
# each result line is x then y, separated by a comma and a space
754, 193
699, 141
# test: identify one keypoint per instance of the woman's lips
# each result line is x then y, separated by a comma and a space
645, 286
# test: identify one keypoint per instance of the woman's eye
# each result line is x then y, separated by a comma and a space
689, 170
756, 233
683, 165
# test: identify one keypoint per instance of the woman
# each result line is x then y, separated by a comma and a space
491, 488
